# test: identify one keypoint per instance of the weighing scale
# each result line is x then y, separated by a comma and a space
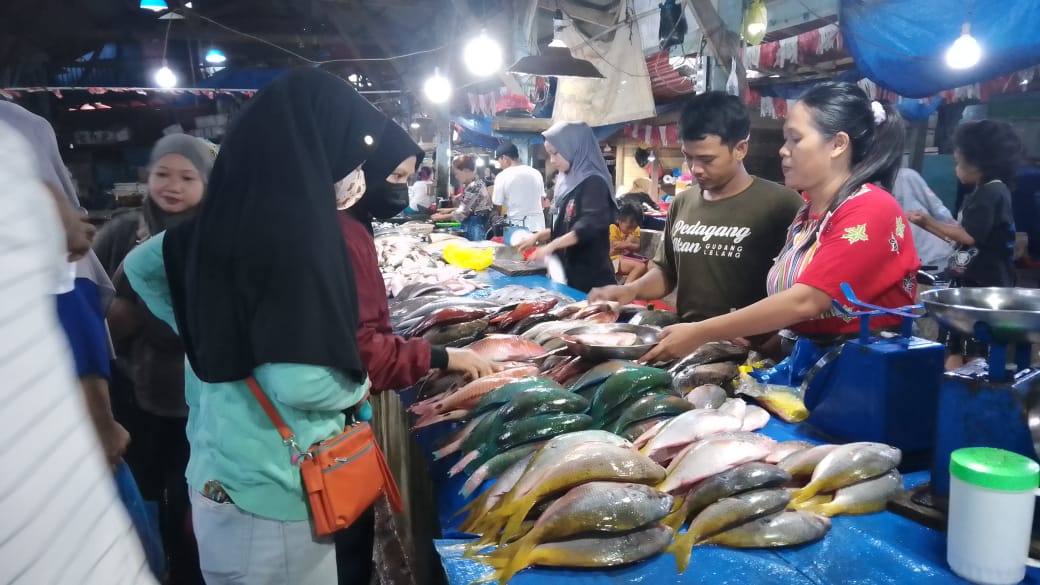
986, 403
881, 387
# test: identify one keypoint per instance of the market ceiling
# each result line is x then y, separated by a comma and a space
42, 40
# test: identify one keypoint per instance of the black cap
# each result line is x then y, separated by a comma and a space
508, 149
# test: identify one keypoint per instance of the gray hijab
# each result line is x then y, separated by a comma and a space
50, 169
578, 145
201, 157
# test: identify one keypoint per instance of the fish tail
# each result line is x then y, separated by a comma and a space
471, 505
448, 449
681, 548
516, 520
812, 502
801, 495
516, 564
461, 465
833, 509
676, 518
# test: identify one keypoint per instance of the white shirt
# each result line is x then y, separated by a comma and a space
62, 520
520, 189
419, 197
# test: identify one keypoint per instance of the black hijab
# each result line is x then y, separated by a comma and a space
261, 274
383, 199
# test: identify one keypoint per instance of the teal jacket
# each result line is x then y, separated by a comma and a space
232, 440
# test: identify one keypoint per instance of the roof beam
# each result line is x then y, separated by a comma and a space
785, 14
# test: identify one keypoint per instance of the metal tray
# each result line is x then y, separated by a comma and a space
647, 338
1005, 315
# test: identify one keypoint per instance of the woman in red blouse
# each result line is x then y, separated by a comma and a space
841, 150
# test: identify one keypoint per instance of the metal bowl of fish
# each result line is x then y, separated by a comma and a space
611, 341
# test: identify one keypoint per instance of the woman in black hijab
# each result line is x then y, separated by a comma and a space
260, 284
393, 362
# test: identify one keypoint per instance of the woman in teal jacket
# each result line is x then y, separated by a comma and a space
259, 284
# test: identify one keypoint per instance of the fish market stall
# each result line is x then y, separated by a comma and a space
682, 481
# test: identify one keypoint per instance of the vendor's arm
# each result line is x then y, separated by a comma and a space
653, 285
533, 239
794, 305
565, 241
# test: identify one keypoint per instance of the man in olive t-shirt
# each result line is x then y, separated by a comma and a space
721, 239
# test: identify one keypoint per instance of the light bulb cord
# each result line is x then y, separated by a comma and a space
166, 41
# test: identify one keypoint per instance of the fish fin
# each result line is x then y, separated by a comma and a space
518, 562
472, 483
803, 494
677, 517
831, 509
681, 548
472, 505
491, 577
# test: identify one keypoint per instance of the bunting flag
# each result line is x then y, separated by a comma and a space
666, 136
16, 92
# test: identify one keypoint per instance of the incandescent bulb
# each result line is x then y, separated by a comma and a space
482, 55
965, 52
165, 77
437, 88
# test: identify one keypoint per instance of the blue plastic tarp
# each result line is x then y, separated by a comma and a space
901, 44
879, 549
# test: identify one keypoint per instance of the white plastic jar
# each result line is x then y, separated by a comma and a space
992, 496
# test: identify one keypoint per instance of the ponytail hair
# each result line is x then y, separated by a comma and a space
876, 134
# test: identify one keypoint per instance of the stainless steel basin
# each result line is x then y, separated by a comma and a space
1011, 315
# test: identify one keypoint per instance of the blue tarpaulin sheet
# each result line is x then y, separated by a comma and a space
901, 44
876, 549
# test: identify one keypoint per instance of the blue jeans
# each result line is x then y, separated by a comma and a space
475, 227
236, 547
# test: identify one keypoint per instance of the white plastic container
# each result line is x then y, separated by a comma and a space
992, 496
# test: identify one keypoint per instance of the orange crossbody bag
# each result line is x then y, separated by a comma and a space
342, 475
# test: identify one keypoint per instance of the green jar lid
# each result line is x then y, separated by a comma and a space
995, 469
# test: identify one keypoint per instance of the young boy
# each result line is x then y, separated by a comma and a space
624, 243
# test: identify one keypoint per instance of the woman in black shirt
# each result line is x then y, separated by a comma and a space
987, 154
584, 207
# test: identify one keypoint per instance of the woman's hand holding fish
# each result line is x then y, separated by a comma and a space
676, 341
468, 362
540, 254
532, 240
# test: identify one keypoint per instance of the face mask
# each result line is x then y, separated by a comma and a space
349, 189
386, 199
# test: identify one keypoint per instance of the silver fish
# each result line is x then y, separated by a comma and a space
789, 528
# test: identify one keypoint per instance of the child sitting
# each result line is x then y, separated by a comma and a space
624, 244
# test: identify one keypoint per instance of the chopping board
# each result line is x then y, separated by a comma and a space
517, 267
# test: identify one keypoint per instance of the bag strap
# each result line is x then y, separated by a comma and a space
276, 419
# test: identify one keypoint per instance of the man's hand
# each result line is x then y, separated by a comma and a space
540, 254
616, 293
468, 362
114, 441
676, 341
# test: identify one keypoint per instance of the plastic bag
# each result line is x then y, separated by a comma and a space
794, 368
144, 515
469, 258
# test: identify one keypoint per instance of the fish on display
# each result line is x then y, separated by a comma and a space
804, 462
598, 551
456, 335
718, 374
542, 401
595, 309
650, 406
708, 396
448, 407
455, 442
788, 528
685, 429
655, 318
584, 463
734, 407
638, 429
625, 385
755, 418
710, 353
568, 371
437, 304
847, 465
527, 323
706, 458
740, 479
609, 339
599, 373
785, 449
865, 497
593, 508
725, 514
416, 290
497, 465
540, 427
480, 506
507, 392
523, 311
502, 348
448, 316
783, 401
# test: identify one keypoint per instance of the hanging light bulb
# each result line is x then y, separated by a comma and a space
480, 162
215, 56
965, 52
482, 55
437, 88
756, 21
165, 77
